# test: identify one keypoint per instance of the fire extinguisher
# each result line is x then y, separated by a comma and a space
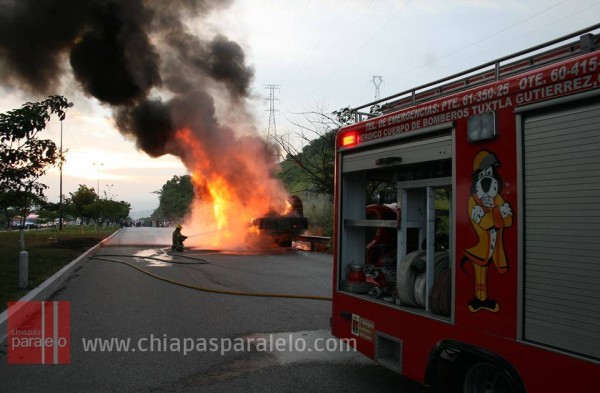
356, 273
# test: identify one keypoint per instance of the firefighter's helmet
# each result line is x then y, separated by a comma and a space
178, 226
483, 160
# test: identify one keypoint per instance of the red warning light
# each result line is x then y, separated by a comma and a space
349, 140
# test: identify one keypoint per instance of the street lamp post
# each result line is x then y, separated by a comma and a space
110, 186
98, 165
60, 192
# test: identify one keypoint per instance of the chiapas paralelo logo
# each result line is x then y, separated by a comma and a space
39, 332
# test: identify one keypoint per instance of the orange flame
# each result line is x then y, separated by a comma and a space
227, 200
219, 191
288, 208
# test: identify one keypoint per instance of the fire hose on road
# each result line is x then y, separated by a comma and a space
199, 261
200, 288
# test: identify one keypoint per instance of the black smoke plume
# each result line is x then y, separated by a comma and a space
126, 53
149, 123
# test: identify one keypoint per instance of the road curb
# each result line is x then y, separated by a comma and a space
52, 283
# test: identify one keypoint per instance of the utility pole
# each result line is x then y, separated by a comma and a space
377, 80
272, 128
97, 165
60, 192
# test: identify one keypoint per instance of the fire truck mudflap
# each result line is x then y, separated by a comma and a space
480, 269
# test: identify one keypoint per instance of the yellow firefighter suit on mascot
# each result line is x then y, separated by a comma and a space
489, 214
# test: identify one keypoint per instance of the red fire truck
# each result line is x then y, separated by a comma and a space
487, 277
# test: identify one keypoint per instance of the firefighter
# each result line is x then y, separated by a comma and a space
178, 239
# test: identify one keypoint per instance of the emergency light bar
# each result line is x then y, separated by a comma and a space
349, 140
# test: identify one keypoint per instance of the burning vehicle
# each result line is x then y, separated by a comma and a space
279, 229
172, 90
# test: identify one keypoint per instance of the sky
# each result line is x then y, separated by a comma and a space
323, 55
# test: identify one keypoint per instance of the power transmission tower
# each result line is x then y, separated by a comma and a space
377, 80
272, 128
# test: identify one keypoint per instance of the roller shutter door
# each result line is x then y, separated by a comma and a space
430, 149
561, 169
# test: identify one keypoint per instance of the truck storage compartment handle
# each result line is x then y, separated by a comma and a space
388, 160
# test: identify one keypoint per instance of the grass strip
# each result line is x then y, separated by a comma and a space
49, 250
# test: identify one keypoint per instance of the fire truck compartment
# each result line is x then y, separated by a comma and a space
405, 255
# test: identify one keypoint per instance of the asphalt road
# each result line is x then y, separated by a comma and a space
111, 300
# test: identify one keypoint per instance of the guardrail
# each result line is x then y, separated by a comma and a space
313, 240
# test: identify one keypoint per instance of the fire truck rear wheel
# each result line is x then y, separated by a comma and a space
485, 377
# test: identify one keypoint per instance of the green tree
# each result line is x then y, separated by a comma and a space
107, 210
311, 168
175, 199
24, 157
81, 199
48, 212
18, 203
309, 171
68, 209
7, 204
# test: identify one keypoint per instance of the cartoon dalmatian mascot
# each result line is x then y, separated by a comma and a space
489, 214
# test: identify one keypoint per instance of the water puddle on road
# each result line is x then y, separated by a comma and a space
162, 258
154, 258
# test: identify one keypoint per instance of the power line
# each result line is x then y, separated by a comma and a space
313, 21
291, 27
485, 38
355, 53
318, 42
520, 38
343, 37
